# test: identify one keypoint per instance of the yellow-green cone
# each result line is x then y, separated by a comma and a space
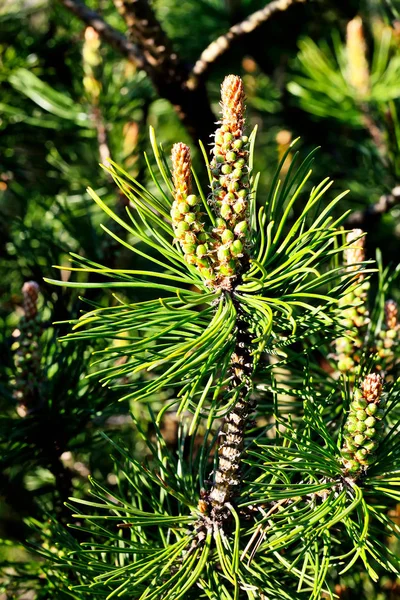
388, 341
187, 220
355, 316
230, 186
364, 426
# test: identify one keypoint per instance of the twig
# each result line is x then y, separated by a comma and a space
366, 218
160, 61
113, 37
223, 43
102, 138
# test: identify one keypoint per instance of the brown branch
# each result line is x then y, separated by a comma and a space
166, 70
113, 37
366, 218
224, 42
160, 60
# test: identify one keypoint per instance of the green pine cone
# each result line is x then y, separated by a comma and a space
363, 426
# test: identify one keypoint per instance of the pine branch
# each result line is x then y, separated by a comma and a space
367, 217
160, 61
110, 35
227, 478
219, 46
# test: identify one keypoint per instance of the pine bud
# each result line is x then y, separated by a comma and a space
191, 218
357, 64
181, 175
226, 211
389, 338
30, 293
362, 435
356, 252
391, 312
229, 269
92, 65
372, 387
224, 254
355, 316
232, 104
27, 355
201, 250
283, 141
188, 228
192, 200
236, 248
230, 149
241, 229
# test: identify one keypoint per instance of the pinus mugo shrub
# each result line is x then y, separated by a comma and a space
261, 337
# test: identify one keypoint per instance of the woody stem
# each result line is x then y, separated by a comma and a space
227, 479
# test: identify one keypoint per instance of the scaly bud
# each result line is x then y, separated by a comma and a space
388, 341
27, 355
283, 141
391, 312
30, 293
357, 64
355, 316
356, 252
372, 388
362, 433
181, 175
92, 64
229, 167
232, 104
188, 228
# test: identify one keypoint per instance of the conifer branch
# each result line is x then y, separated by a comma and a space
110, 35
227, 478
160, 61
219, 46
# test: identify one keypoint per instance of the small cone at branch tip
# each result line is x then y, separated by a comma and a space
181, 174
388, 341
229, 167
356, 252
91, 64
217, 262
27, 352
357, 64
186, 218
391, 313
355, 314
30, 293
232, 104
91, 35
363, 429
283, 141
372, 387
